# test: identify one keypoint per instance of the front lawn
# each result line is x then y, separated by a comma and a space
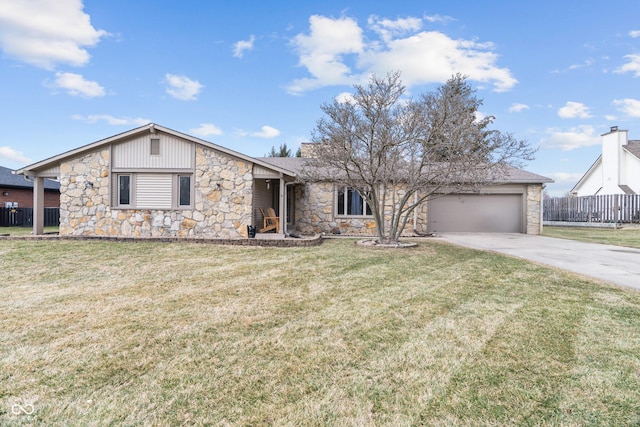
628, 237
25, 231
105, 333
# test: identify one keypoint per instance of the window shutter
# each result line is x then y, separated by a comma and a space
153, 191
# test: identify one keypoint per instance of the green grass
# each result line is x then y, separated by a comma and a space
628, 237
104, 333
24, 231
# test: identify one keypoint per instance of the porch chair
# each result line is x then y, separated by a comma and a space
270, 221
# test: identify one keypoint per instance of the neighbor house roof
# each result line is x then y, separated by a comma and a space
149, 128
587, 173
633, 147
9, 179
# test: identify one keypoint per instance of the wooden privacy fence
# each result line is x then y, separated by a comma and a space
614, 208
23, 217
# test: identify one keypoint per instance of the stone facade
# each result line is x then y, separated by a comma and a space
222, 211
534, 209
315, 214
222, 195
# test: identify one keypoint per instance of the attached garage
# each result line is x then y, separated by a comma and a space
485, 213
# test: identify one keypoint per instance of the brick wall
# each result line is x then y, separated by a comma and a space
24, 197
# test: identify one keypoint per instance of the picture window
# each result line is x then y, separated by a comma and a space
351, 203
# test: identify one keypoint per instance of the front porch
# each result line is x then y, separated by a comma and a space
274, 193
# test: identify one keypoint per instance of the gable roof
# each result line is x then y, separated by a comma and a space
32, 170
513, 176
9, 179
587, 173
521, 176
633, 147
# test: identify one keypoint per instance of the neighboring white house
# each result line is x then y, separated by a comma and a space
616, 171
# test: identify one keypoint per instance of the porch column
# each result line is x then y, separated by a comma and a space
281, 208
38, 205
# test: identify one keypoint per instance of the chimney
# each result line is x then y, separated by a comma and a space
308, 150
614, 129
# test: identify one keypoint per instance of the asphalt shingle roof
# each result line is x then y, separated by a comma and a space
633, 147
8, 179
514, 175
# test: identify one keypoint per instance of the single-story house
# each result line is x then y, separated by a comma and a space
156, 182
16, 191
616, 170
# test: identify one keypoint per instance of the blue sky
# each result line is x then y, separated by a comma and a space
250, 75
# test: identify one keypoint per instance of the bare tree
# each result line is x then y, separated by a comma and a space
398, 152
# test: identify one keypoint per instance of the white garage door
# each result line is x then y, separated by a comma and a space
495, 213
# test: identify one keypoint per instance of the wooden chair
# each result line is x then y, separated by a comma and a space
270, 221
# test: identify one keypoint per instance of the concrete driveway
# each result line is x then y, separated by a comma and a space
613, 264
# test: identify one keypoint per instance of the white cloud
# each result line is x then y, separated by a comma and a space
573, 110
8, 153
110, 120
633, 66
563, 183
481, 116
45, 33
344, 97
336, 52
206, 129
516, 108
182, 87
387, 29
240, 46
76, 85
564, 177
587, 63
322, 51
630, 107
581, 136
265, 132
438, 18
634, 34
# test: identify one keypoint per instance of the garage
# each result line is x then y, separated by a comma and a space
486, 213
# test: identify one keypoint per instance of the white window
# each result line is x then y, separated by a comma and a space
155, 147
184, 190
349, 202
124, 190
153, 191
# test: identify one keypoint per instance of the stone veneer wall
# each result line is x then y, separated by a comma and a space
314, 213
315, 207
534, 211
223, 213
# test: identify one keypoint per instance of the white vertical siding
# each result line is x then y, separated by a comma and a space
153, 191
54, 171
262, 172
175, 153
